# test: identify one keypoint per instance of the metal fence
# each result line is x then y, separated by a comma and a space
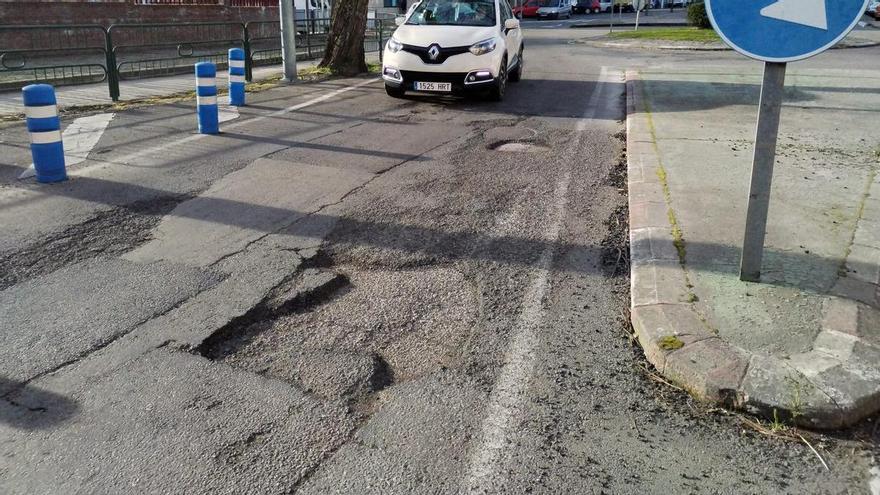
79, 54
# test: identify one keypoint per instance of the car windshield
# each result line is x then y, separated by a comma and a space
550, 3
454, 13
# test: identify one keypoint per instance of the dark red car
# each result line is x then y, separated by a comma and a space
529, 8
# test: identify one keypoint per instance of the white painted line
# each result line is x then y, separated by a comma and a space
228, 113
874, 482
206, 100
79, 138
509, 394
196, 137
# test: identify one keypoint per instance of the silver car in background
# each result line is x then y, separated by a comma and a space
554, 9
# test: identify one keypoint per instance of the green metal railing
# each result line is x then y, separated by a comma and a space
79, 54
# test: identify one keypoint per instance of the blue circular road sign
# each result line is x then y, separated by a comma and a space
784, 30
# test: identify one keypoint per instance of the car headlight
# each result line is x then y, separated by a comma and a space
394, 46
483, 47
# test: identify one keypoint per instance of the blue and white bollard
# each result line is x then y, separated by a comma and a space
206, 98
236, 77
44, 126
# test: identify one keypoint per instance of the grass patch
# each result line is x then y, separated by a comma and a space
671, 343
669, 34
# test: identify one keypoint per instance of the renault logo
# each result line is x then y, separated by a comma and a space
434, 52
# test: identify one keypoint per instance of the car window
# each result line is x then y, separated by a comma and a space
506, 11
454, 13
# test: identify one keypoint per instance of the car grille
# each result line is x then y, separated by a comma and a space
444, 54
451, 77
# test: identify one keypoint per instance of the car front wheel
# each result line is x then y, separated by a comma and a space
497, 93
516, 75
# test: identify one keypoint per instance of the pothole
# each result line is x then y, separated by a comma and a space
519, 147
386, 327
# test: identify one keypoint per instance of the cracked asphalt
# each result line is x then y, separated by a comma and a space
364, 295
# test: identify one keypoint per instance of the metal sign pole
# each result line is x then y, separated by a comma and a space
288, 38
762, 171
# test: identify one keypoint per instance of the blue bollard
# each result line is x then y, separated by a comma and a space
206, 98
236, 77
44, 126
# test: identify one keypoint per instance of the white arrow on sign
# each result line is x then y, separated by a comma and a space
806, 12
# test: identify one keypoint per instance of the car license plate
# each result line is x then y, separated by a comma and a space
433, 86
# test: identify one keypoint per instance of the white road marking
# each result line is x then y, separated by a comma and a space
79, 138
874, 483
227, 113
509, 394
196, 137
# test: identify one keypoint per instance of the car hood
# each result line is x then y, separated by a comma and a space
445, 36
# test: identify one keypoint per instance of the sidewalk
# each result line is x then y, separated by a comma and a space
98, 94
803, 345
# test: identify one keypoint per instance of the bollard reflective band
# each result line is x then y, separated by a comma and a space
45, 137
206, 100
236, 79
236, 64
41, 112
206, 81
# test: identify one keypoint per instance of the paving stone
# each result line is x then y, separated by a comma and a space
835, 344
656, 322
868, 326
772, 386
710, 369
658, 283
840, 315
855, 389
646, 192
652, 214
651, 244
868, 233
863, 263
851, 288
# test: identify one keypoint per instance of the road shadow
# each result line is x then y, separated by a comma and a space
687, 96
33, 408
429, 242
528, 98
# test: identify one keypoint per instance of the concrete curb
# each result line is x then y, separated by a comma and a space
834, 385
708, 48
629, 24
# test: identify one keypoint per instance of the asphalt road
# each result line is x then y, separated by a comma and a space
475, 341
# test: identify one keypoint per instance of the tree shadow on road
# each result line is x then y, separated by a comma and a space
33, 408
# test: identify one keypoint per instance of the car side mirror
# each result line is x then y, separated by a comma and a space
399, 20
511, 24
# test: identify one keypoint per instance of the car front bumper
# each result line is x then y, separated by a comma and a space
458, 80
455, 70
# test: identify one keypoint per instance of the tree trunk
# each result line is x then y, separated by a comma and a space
345, 42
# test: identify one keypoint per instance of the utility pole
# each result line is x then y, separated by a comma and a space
288, 39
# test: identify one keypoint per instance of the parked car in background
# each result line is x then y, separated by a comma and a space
873, 8
585, 6
528, 9
605, 5
554, 9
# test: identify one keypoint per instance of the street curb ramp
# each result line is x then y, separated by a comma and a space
834, 385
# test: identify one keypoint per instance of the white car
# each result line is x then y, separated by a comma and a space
454, 47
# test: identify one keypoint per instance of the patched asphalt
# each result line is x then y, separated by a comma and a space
382, 382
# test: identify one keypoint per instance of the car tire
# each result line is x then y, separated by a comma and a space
517, 73
497, 93
394, 92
